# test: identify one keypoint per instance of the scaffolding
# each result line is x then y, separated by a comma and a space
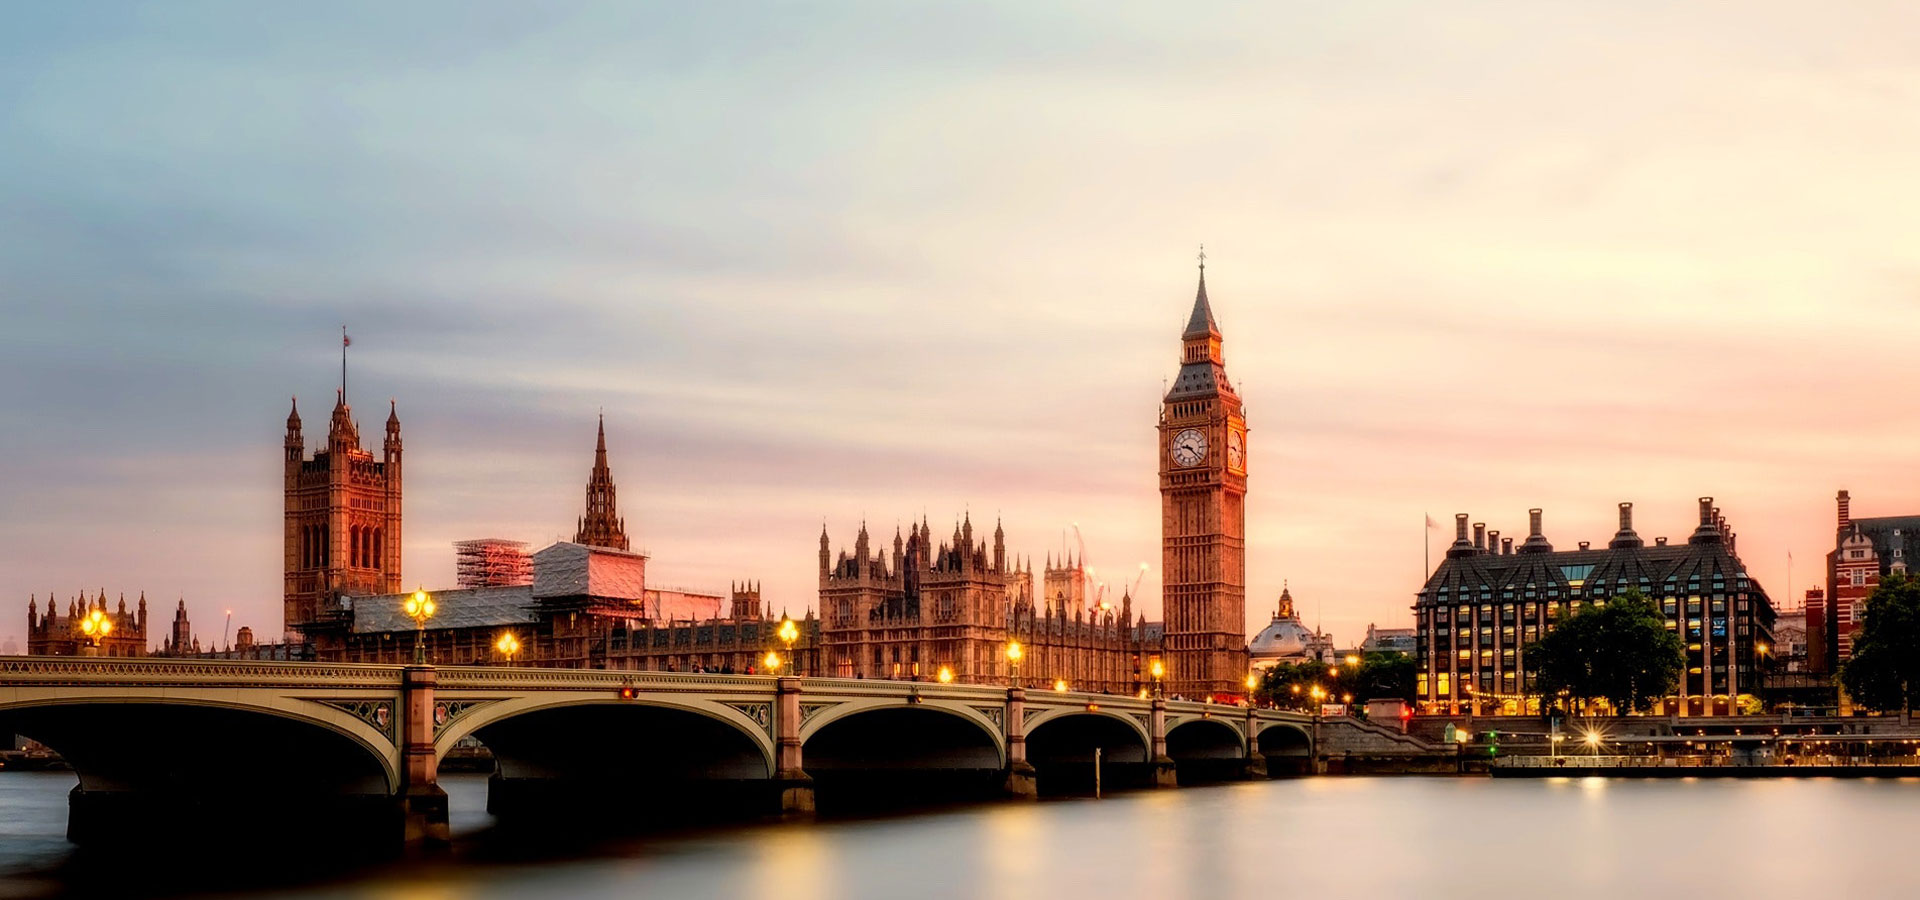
492, 562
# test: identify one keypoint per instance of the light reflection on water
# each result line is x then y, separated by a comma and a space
1328, 838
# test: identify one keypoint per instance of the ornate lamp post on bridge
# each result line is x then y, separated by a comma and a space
1014, 653
1159, 670
789, 632
508, 645
95, 625
419, 607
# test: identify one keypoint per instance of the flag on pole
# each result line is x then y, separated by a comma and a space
344, 340
1431, 524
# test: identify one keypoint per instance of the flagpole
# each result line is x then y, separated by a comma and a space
1426, 546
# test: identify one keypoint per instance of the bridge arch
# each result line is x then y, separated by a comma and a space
250, 768
1061, 746
490, 715
1206, 749
1288, 747
867, 754
598, 761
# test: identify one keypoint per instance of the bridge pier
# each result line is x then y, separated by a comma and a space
1161, 767
422, 803
790, 777
1256, 768
1022, 782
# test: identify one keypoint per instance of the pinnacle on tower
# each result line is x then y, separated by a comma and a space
602, 525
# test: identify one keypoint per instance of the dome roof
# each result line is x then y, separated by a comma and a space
1281, 638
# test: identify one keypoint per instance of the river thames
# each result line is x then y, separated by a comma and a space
1322, 838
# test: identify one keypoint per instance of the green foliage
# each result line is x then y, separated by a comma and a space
1379, 675
1620, 652
1884, 673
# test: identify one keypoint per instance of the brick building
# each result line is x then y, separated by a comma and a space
1864, 551
54, 633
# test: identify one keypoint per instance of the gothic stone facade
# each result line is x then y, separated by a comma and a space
956, 606
342, 518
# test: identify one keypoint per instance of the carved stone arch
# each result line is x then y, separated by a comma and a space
961, 710
1037, 717
501, 710
380, 746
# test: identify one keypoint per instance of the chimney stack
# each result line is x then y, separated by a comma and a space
1480, 536
1708, 532
1462, 546
1625, 537
1536, 542
1506, 546
1846, 510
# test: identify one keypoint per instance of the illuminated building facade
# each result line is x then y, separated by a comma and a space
1488, 599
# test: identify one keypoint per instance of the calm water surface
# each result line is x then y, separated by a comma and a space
1324, 838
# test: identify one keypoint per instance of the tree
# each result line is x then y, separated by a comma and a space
1884, 672
1378, 675
1618, 650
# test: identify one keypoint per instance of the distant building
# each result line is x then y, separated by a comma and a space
1486, 602
1390, 640
1286, 640
1814, 615
1865, 550
1789, 650
56, 634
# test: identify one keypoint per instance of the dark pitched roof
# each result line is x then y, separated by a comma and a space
1200, 323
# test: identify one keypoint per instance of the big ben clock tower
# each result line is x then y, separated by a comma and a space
1203, 520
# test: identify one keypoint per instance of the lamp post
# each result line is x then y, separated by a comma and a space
1253, 683
508, 645
771, 662
1159, 670
95, 625
1014, 653
419, 607
945, 675
1060, 685
790, 632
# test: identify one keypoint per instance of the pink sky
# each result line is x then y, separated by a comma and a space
877, 266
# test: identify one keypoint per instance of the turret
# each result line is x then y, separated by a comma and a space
393, 432
999, 547
296, 445
825, 550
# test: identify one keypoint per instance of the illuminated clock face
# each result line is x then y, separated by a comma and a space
1189, 447
1237, 450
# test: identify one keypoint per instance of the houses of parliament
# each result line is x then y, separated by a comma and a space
929, 607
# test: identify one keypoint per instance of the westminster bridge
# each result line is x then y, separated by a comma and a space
326, 749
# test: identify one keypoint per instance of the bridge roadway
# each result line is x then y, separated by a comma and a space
326, 749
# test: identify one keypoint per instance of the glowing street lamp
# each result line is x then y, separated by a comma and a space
1159, 670
1014, 653
1353, 659
419, 607
772, 662
508, 645
1253, 683
789, 632
945, 675
1060, 685
96, 625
